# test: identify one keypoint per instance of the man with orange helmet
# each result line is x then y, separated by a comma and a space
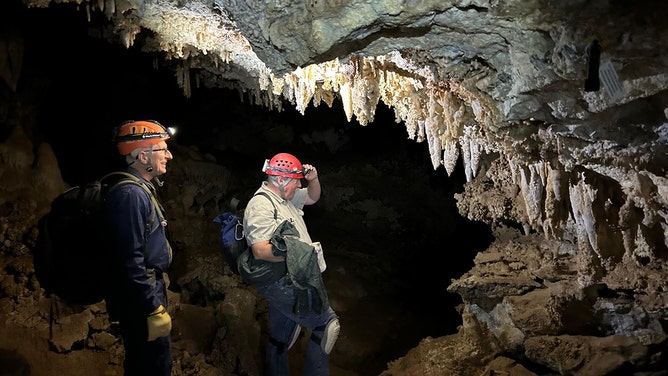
139, 242
262, 218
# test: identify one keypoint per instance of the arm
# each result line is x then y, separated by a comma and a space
259, 225
313, 188
130, 210
262, 251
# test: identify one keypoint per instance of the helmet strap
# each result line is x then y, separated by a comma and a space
148, 167
281, 187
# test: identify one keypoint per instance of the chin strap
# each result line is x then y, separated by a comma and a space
281, 188
149, 169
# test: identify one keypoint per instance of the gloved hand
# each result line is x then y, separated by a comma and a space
159, 323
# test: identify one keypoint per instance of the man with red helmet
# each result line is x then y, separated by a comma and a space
262, 218
138, 239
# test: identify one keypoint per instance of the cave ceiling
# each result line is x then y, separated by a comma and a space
559, 105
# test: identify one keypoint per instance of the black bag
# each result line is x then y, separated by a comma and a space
232, 234
70, 258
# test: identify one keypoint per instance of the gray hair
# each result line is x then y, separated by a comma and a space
130, 158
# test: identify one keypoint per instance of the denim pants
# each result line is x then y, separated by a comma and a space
282, 323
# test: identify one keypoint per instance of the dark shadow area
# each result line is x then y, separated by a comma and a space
78, 87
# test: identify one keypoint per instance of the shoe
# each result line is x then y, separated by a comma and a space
330, 335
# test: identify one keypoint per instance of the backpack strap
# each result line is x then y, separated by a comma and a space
270, 200
130, 178
239, 229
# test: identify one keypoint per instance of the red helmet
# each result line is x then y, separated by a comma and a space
139, 134
284, 164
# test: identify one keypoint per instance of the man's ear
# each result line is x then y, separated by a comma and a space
142, 157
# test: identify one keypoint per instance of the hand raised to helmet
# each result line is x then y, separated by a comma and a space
310, 172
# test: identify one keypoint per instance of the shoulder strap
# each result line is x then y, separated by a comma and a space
270, 200
130, 178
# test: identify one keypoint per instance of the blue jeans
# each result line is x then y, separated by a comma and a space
282, 323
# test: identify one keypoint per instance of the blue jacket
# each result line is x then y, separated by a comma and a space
140, 250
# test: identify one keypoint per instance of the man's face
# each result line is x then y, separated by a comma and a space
160, 155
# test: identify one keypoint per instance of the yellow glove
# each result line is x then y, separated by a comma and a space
159, 323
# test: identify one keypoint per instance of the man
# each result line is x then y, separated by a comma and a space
262, 218
140, 251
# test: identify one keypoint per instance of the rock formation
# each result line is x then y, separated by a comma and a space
557, 110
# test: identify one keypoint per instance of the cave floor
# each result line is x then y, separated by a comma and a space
376, 327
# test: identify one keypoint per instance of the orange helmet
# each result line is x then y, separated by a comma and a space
139, 134
284, 164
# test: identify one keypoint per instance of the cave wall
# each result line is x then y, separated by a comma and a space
571, 181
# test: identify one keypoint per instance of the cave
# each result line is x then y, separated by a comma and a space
483, 211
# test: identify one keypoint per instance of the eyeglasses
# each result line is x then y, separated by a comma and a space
166, 150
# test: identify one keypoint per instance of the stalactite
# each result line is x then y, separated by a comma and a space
466, 157
277, 84
552, 222
532, 188
347, 99
582, 196
183, 79
435, 115
416, 110
642, 250
366, 91
474, 149
433, 141
435, 123
109, 8
303, 87
290, 85
513, 169
450, 156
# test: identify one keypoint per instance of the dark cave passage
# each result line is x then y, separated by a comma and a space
398, 215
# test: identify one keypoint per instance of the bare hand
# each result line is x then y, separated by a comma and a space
310, 173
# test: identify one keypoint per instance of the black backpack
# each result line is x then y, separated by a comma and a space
232, 234
70, 257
